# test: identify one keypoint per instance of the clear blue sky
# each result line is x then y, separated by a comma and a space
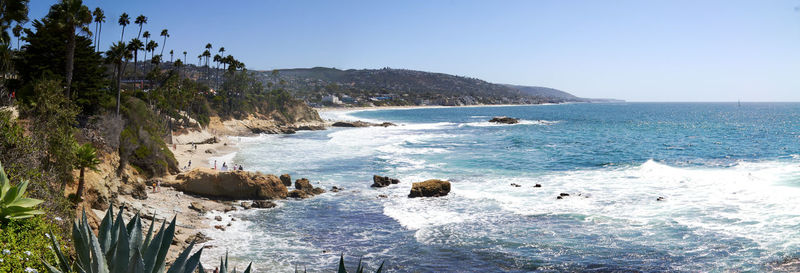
670, 50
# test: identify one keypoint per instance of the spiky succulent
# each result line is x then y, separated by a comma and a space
122, 248
12, 203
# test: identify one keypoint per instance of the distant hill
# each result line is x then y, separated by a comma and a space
403, 87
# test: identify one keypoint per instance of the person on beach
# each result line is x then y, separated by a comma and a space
224, 167
190, 164
215, 164
240, 168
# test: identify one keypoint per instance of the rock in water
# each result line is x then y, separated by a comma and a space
505, 120
196, 206
383, 181
430, 188
304, 189
235, 185
263, 204
286, 179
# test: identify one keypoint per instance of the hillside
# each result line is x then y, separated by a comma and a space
388, 86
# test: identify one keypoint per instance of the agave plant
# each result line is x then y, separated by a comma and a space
223, 266
359, 269
122, 248
12, 203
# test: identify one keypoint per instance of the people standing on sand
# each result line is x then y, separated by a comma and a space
215, 164
240, 168
224, 167
190, 164
158, 185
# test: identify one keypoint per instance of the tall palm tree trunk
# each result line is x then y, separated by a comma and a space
70, 61
119, 85
79, 192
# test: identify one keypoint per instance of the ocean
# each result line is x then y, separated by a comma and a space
728, 176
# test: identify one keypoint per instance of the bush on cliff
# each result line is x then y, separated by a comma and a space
141, 141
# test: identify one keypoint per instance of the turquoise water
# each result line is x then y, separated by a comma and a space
729, 176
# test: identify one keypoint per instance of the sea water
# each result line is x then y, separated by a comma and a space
728, 176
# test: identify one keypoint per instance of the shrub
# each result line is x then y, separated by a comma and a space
25, 244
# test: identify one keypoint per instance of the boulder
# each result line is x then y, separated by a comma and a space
361, 124
218, 218
383, 181
335, 189
516, 185
537, 186
210, 151
220, 227
263, 204
286, 179
198, 238
430, 188
196, 206
137, 190
235, 185
304, 189
504, 120
247, 205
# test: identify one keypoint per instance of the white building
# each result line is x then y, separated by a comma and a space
331, 99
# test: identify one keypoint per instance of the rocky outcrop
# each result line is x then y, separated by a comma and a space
262, 204
504, 120
304, 189
383, 181
361, 124
286, 179
234, 184
430, 188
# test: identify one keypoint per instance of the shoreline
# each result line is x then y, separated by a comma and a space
411, 107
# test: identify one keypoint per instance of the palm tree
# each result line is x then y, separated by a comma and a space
200, 60
123, 21
151, 47
207, 55
140, 20
116, 56
170, 55
17, 31
164, 33
146, 36
86, 158
99, 19
135, 45
217, 60
72, 15
184, 56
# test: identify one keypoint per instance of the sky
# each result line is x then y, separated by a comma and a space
659, 50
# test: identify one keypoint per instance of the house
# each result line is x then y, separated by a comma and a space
331, 99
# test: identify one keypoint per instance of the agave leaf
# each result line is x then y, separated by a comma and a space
380, 268
5, 185
11, 195
200, 266
135, 234
122, 250
248, 268
178, 264
21, 187
149, 235
136, 264
98, 263
341, 265
166, 241
360, 268
104, 231
193, 262
151, 252
62, 260
115, 227
51, 269
26, 202
81, 245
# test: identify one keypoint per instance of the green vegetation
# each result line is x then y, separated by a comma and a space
86, 157
26, 243
122, 248
13, 204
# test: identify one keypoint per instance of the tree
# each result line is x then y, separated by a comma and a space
135, 45
140, 20
99, 19
184, 56
85, 158
123, 21
146, 36
72, 15
151, 47
207, 55
165, 34
17, 31
170, 55
43, 55
117, 55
